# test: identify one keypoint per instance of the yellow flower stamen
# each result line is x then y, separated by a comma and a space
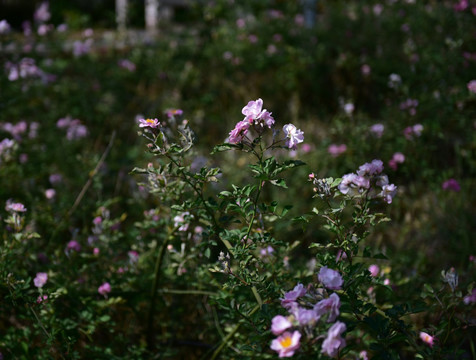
286, 342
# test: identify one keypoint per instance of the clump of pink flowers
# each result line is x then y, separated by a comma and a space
14, 207
397, 158
413, 131
335, 150
259, 119
127, 64
368, 180
74, 128
377, 130
303, 316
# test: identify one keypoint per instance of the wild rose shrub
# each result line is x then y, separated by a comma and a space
365, 251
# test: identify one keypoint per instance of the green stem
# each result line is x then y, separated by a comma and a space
44, 329
230, 335
248, 231
150, 316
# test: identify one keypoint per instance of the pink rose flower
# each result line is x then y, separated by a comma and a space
40, 279
286, 344
279, 324
426, 338
334, 342
104, 289
331, 279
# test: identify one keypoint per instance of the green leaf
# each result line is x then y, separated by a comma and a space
279, 183
138, 170
225, 147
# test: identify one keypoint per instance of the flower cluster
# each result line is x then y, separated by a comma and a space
367, 180
74, 128
397, 158
127, 64
254, 115
377, 130
26, 68
259, 119
410, 105
413, 131
14, 207
304, 317
40, 279
335, 150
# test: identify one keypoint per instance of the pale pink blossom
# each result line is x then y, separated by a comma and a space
291, 296
14, 207
279, 324
372, 168
472, 86
330, 305
254, 112
104, 289
152, 123
427, 338
50, 193
365, 69
331, 279
127, 64
374, 270
349, 108
470, 299
4, 27
41, 298
388, 193
42, 13
286, 344
181, 222
73, 245
294, 136
174, 112
40, 279
353, 184
304, 316
377, 130
334, 342
336, 150
239, 132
